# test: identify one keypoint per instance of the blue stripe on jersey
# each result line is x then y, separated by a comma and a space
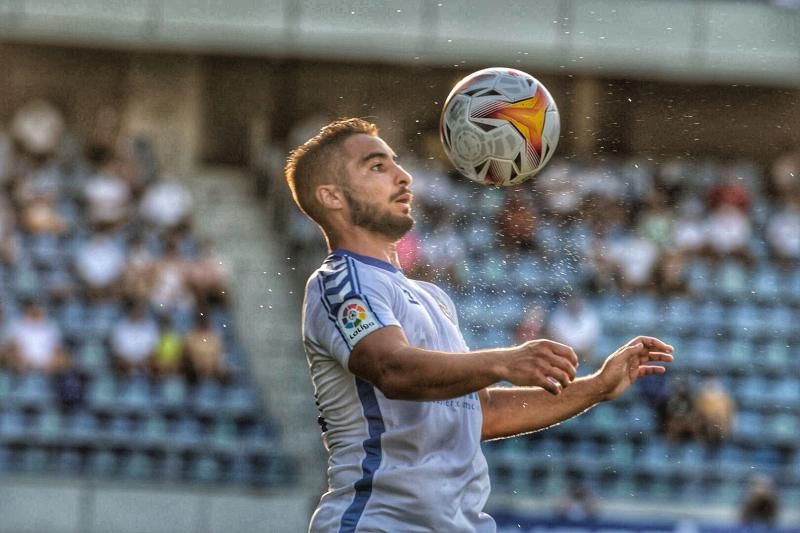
354, 270
372, 459
337, 284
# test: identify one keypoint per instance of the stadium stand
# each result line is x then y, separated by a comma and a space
727, 302
90, 230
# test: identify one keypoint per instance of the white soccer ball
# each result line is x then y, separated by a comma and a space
499, 126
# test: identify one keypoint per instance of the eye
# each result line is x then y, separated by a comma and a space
377, 167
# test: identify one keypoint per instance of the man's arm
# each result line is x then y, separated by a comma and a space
509, 411
401, 371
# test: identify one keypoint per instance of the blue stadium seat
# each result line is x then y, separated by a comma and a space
749, 426
133, 395
32, 390
186, 433
34, 460
138, 466
6, 387
783, 429
102, 464
767, 283
92, 358
80, 429
68, 462
239, 401
122, 431
172, 394
205, 469
46, 427
103, 394
731, 280
206, 397
13, 427
153, 432
223, 435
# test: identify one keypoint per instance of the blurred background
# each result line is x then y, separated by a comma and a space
152, 264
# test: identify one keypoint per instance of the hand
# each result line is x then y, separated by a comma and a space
542, 363
630, 362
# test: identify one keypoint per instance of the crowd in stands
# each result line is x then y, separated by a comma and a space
701, 252
108, 297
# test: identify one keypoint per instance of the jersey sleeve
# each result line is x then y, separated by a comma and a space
351, 304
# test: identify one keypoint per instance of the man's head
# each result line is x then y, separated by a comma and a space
347, 169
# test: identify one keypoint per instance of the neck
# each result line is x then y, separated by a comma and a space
364, 242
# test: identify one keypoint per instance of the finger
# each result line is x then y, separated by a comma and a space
561, 377
562, 350
651, 370
563, 365
652, 343
656, 356
552, 386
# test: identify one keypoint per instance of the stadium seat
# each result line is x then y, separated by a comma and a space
46, 427
103, 394
153, 432
206, 398
172, 394
186, 434
133, 395
102, 464
205, 469
32, 391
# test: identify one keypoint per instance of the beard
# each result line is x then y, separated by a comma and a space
369, 217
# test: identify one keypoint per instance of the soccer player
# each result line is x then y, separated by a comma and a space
403, 402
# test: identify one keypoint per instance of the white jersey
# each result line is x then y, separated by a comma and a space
394, 465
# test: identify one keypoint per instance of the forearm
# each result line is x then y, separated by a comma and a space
425, 375
509, 411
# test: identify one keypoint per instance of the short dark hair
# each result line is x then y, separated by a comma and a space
317, 162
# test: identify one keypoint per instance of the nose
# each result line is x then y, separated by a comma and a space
403, 177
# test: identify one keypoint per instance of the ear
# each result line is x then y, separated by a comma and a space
330, 197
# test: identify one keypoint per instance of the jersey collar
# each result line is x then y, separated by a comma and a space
343, 252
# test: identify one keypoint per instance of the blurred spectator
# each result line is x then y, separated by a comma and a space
671, 274
208, 276
728, 226
532, 325
784, 175
37, 128
576, 324
516, 224
166, 205
655, 221
688, 230
137, 277
70, 388
35, 342
204, 351
107, 199
39, 217
634, 257
783, 232
170, 288
168, 355
578, 504
760, 507
99, 263
716, 409
409, 253
682, 421
8, 239
134, 340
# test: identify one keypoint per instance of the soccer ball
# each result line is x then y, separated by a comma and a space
499, 126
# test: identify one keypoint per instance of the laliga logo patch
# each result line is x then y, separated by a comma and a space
356, 320
352, 315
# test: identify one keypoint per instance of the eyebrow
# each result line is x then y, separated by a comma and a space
378, 155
